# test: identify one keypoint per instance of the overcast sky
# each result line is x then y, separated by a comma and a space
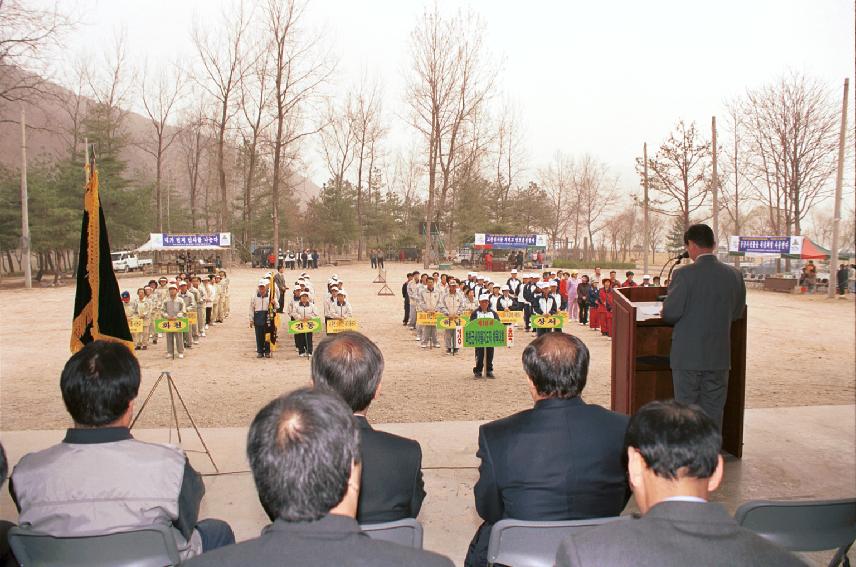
598, 77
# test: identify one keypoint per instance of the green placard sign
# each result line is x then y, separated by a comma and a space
177, 325
309, 326
487, 332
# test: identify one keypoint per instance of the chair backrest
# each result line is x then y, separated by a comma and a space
813, 525
407, 532
152, 546
532, 544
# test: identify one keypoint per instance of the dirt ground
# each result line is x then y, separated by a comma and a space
801, 352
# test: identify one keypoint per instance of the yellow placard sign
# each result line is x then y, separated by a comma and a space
511, 317
341, 325
191, 317
547, 321
428, 318
136, 325
178, 325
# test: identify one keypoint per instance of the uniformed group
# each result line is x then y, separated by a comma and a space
267, 306
174, 299
562, 293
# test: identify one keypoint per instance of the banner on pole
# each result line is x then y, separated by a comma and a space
486, 332
300, 327
765, 245
341, 325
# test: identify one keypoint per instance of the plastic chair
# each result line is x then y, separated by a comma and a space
811, 525
532, 544
153, 546
407, 532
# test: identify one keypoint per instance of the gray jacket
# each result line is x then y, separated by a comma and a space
704, 298
102, 481
673, 533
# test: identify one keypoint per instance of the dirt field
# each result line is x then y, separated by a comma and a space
801, 352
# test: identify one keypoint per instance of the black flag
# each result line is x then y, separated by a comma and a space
98, 310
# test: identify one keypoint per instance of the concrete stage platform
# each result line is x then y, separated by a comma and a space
789, 453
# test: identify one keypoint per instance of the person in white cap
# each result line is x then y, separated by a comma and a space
328, 302
429, 302
514, 284
303, 311
530, 295
172, 308
341, 307
471, 280
210, 300
190, 305
544, 304
506, 302
451, 305
495, 294
646, 280
484, 355
260, 305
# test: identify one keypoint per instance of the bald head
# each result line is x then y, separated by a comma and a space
351, 365
557, 365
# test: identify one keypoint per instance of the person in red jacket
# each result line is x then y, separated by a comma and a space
629, 281
607, 301
488, 261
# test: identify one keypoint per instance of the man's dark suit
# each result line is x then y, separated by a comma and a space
332, 540
392, 486
673, 533
704, 299
560, 460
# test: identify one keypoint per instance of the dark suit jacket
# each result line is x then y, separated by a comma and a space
332, 540
560, 460
673, 533
392, 486
704, 298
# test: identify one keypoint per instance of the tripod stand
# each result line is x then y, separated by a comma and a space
174, 393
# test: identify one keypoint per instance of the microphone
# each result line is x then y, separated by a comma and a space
682, 255
677, 260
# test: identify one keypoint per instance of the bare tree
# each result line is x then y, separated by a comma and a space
338, 139
224, 60
27, 34
734, 185
595, 193
556, 181
74, 107
368, 129
448, 86
194, 141
159, 100
792, 126
678, 173
109, 87
510, 155
297, 73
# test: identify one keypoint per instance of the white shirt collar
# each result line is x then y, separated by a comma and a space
684, 499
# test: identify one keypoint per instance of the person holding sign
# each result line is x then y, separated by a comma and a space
505, 301
429, 302
140, 310
172, 308
190, 305
514, 284
260, 305
484, 355
303, 311
451, 306
340, 308
545, 304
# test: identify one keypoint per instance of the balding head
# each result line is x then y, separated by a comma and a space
557, 365
351, 365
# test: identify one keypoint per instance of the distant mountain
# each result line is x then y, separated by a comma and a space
48, 123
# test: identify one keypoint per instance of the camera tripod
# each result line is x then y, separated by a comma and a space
173, 394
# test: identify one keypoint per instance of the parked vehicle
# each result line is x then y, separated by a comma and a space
127, 261
260, 256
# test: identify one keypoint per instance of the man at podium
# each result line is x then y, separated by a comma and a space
704, 299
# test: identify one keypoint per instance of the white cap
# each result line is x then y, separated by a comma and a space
479, 277
646, 277
496, 285
334, 288
300, 280
514, 271
471, 274
263, 282
304, 292
484, 297
342, 292
182, 282
506, 288
335, 276
542, 285
172, 286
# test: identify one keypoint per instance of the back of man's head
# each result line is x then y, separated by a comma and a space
557, 364
99, 382
351, 365
301, 448
675, 440
701, 235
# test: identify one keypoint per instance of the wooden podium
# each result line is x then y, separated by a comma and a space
640, 361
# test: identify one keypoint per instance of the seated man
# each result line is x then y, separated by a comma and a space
674, 464
304, 452
560, 460
101, 480
392, 488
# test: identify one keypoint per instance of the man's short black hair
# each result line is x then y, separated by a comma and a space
557, 363
675, 439
351, 365
98, 382
301, 447
701, 234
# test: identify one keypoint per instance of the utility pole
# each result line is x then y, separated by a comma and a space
25, 213
839, 181
715, 183
647, 226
